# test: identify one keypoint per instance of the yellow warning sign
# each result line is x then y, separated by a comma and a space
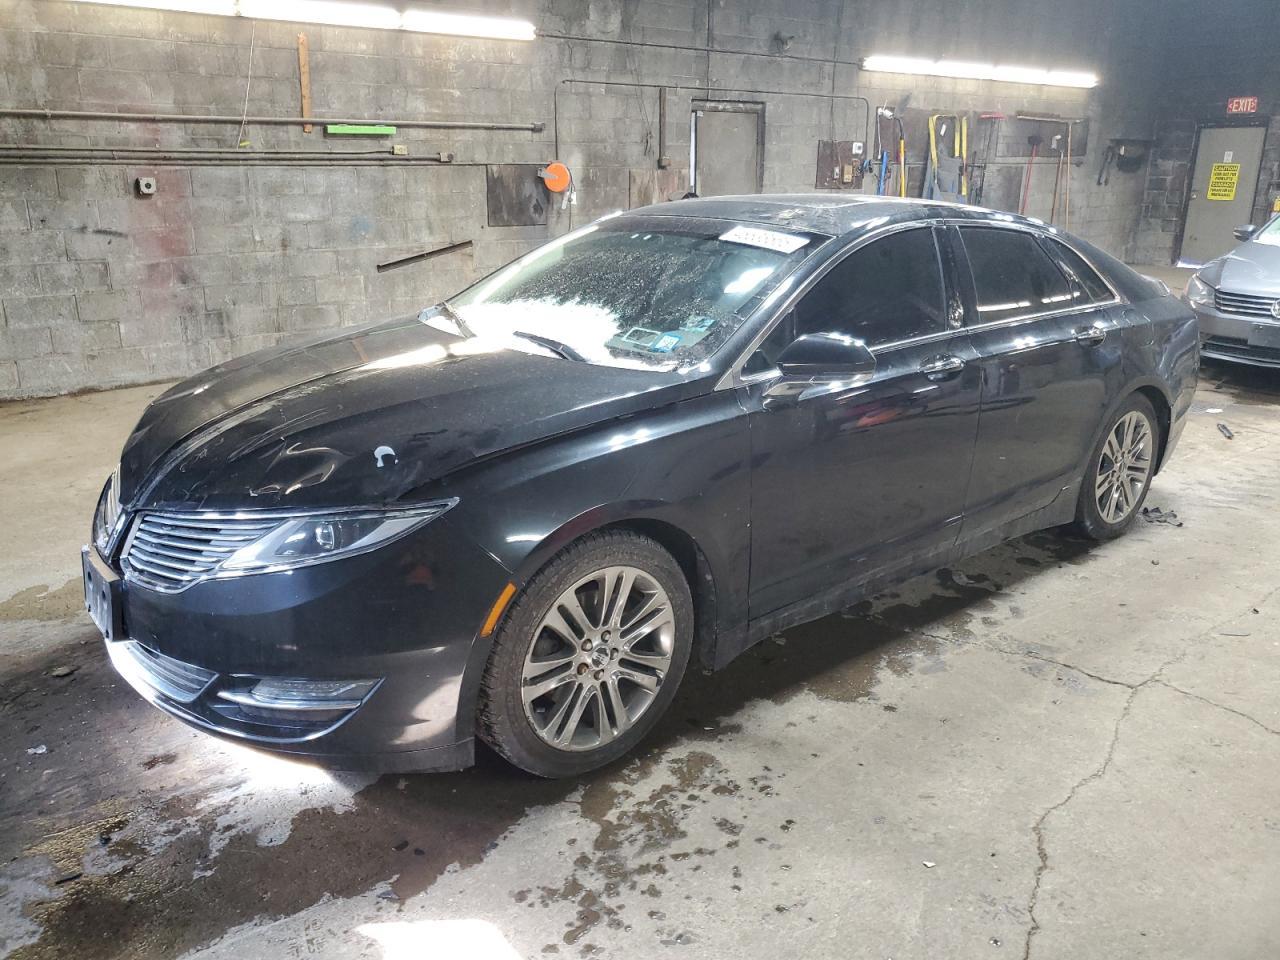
1222, 181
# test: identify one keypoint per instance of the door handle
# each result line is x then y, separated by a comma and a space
942, 368
1091, 336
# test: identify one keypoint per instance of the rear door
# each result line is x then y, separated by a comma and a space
862, 479
1051, 353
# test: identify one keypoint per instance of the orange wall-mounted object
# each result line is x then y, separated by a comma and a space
556, 177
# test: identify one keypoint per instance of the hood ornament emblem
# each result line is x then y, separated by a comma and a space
1275, 309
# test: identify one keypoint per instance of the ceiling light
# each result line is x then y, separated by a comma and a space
965, 70
338, 13
222, 8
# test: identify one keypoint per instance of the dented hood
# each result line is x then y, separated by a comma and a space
365, 418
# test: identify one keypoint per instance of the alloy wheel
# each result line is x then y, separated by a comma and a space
598, 658
1123, 467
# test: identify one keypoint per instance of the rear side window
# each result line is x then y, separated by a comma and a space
889, 290
1012, 276
1094, 286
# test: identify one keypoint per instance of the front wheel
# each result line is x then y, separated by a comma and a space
589, 657
1119, 473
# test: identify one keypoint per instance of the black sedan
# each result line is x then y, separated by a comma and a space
669, 434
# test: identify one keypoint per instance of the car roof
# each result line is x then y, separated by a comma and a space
832, 214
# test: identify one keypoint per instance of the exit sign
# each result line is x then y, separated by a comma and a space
1242, 105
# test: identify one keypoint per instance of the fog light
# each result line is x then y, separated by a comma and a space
272, 694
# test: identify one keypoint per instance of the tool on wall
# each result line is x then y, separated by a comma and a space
1055, 144
990, 145
304, 79
945, 173
1104, 171
881, 152
1033, 142
902, 158
1066, 192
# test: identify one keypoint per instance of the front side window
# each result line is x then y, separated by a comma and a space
655, 293
1012, 276
887, 291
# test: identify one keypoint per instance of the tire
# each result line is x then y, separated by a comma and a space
601, 684
1108, 506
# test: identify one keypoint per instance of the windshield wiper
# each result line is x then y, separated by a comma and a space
555, 346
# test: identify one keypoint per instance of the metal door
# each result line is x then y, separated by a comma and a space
1224, 179
728, 148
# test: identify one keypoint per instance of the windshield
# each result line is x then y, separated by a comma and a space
655, 293
1270, 233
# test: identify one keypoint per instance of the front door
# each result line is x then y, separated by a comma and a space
854, 481
1222, 188
1051, 348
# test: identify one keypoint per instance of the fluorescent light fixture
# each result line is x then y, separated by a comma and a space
965, 70
337, 13
221, 8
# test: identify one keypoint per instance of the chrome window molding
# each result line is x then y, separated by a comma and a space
734, 376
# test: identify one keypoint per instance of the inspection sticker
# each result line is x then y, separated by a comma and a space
666, 343
1223, 178
766, 239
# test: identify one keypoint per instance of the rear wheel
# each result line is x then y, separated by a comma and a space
589, 657
1119, 473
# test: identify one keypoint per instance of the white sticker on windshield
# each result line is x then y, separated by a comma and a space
767, 239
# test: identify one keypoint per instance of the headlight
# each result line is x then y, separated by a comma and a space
316, 538
1199, 293
107, 513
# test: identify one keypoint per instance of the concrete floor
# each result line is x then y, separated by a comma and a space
1058, 749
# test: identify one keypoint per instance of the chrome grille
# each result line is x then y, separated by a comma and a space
169, 551
1245, 304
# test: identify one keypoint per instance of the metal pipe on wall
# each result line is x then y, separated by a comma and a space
221, 151
555, 98
536, 126
20, 160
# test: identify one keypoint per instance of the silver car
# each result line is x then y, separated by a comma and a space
1237, 299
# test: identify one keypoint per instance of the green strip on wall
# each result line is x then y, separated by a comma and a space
359, 130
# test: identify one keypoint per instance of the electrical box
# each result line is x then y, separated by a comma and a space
839, 165
146, 186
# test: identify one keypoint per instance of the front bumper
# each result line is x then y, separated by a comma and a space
1225, 336
405, 616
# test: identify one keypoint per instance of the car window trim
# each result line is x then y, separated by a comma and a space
1040, 233
733, 377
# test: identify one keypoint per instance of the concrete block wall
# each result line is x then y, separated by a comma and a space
102, 287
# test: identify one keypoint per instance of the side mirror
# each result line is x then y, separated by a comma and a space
820, 362
1245, 232
822, 357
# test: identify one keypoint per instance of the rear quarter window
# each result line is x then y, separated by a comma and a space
1128, 282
